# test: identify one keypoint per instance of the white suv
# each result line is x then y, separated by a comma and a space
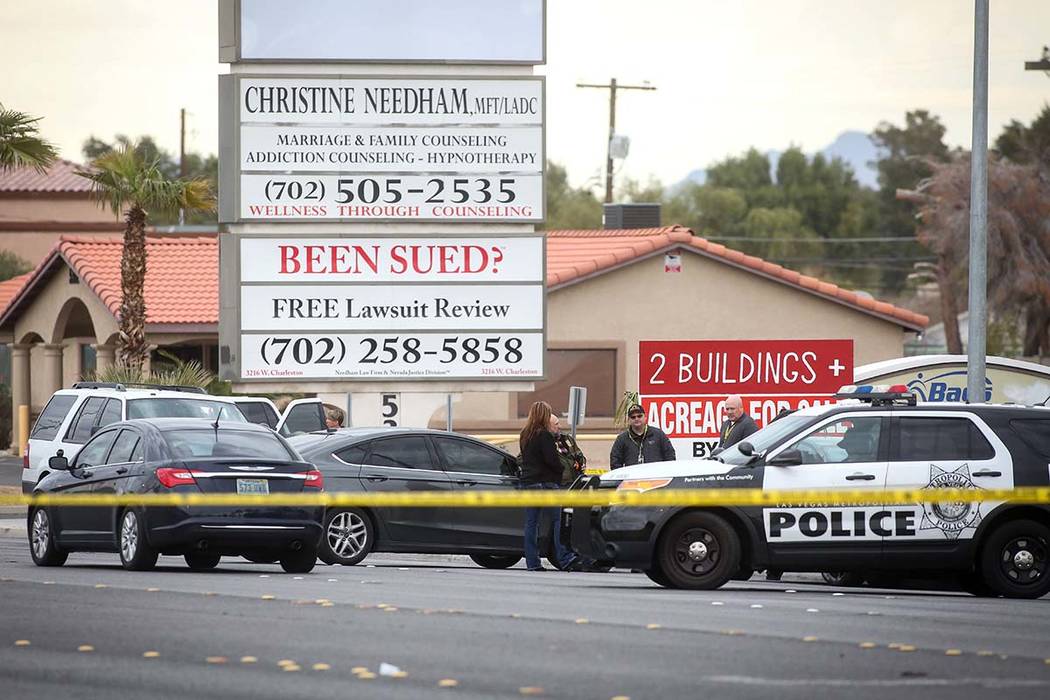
72, 416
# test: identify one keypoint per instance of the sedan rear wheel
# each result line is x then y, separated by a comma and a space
135, 552
301, 562
202, 561
348, 537
42, 540
495, 561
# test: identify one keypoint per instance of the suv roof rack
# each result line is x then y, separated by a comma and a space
119, 386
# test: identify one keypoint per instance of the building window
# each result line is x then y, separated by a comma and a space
593, 369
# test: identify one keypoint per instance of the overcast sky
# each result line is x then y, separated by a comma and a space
764, 73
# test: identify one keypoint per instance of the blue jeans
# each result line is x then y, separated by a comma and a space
532, 527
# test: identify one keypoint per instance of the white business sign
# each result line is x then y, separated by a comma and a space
396, 259
386, 196
405, 307
424, 307
406, 355
389, 31
386, 149
359, 101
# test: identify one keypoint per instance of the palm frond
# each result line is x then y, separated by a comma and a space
179, 373
125, 178
19, 144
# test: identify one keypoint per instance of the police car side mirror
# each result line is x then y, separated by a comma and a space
746, 448
58, 462
787, 458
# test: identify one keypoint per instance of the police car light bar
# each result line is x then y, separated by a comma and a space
877, 394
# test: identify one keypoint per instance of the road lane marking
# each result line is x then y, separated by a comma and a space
26, 642
85, 648
150, 654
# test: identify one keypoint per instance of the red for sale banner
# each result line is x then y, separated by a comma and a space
712, 367
684, 383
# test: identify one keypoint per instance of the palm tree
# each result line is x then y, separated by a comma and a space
19, 144
133, 186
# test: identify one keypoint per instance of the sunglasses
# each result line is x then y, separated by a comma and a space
636, 415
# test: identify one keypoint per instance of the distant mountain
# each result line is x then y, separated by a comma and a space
854, 147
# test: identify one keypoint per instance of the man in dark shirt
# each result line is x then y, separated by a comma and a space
640, 443
738, 425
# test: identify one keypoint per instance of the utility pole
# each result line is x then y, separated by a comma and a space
978, 307
612, 87
182, 157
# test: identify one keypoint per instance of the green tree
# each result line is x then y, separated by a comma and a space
198, 167
12, 266
1027, 144
905, 154
569, 207
133, 186
21, 145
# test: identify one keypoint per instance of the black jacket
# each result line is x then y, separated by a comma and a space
539, 460
744, 427
653, 446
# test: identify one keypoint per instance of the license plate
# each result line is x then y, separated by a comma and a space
253, 486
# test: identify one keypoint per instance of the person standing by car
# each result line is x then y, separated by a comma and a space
738, 425
541, 470
640, 443
573, 461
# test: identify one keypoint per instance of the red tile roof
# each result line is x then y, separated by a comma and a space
9, 289
182, 275
575, 255
60, 177
182, 280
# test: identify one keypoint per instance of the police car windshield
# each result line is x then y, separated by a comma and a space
772, 434
184, 408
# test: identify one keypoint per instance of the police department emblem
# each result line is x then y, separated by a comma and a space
950, 518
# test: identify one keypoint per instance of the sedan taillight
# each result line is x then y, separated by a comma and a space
314, 479
25, 457
170, 477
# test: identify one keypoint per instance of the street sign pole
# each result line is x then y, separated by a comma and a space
978, 311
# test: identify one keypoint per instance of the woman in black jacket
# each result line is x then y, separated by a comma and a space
541, 469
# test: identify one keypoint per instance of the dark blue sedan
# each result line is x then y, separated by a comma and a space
180, 455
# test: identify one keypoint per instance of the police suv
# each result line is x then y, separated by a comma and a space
879, 438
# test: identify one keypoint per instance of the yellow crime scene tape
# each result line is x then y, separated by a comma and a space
549, 498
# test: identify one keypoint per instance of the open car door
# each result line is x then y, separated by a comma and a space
302, 416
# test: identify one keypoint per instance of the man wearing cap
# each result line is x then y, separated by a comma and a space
738, 425
640, 443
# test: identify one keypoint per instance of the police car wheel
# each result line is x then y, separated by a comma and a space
1015, 559
699, 551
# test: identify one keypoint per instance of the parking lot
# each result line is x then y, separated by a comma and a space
415, 625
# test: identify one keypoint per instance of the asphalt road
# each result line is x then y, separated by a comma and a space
10, 471
445, 626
